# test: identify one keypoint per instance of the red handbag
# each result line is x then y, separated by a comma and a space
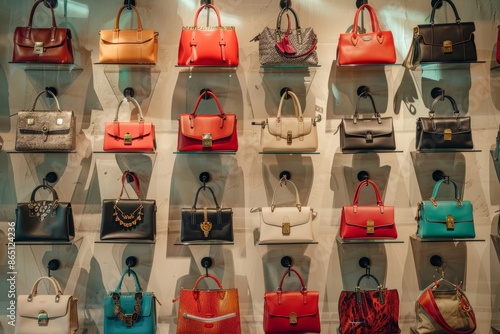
129, 136
498, 45
376, 47
207, 132
291, 311
367, 222
42, 45
208, 46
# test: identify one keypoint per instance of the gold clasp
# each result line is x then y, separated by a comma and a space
43, 318
447, 46
206, 140
39, 49
289, 137
206, 226
293, 318
447, 134
450, 222
127, 139
370, 226
285, 228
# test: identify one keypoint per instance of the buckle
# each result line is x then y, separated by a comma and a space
370, 226
43, 318
206, 227
289, 137
206, 140
450, 222
447, 134
39, 49
369, 137
127, 139
447, 46
292, 318
285, 228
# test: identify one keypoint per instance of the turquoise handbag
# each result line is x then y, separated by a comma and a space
129, 312
450, 219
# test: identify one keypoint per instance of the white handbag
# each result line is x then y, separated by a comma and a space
46, 314
289, 134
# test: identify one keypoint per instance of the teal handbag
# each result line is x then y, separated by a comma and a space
448, 219
129, 312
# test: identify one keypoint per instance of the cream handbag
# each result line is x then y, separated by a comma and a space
46, 314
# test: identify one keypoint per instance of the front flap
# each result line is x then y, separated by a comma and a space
202, 124
33, 121
292, 124
373, 213
439, 213
292, 301
127, 302
128, 128
365, 125
41, 35
436, 34
43, 302
127, 36
286, 215
438, 125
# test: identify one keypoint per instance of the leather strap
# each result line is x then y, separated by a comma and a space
136, 280
137, 105
30, 21
55, 198
55, 283
279, 291
48, 92
456, 112
375, 112
198, 192
457, 18
358, 190
219, 284
297, 199
193, 113
296, 105
136, 183
373, 17
297, 24
117, 20
379, 288
458, 197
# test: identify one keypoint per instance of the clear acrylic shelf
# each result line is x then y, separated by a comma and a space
417, 238
367, 242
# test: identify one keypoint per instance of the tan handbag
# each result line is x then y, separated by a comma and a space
128, 46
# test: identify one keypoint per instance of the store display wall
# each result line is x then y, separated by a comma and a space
326, 181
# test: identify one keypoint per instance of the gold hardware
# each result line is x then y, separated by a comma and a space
39, 49
433, 200
206, 140
447, 134
450, 222
30, 121
285, 228
205, 226
447, 46
127, 139
370, 226
289, 137
43, 318
121, 216
293, 318
59, 121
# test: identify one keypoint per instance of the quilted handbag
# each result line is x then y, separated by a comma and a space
45, 130
128, 219
367, 222
291, 311
129, 136
207, 132
434, 133
447, 219
42, 45
289, 134
46, 314
376, 47
208, 46
369, 311
208, 311
129, 312
128, 46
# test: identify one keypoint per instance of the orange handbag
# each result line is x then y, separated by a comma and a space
208, 46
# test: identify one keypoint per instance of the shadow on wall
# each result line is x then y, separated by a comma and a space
4, 101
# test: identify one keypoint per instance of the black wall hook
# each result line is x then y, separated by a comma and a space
51, 177
362, 91
436, 261
50, 3
131, 262
285, 175
130, 178
437, 91
205, 91
363, 176
52, 90
439, 175
287, 262
128, 92
204, 178
365, 263
129, 3
206, 263
439, 2
360, 3
53, 265
285, 4
285, 90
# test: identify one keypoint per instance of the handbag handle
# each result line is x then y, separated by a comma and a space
55, 198
193, 113
137, 185
136, 280
134, 101
457, 18
456, 112
30, 21
198, 192
280, 15
117, 20
207, 6
374, 21
219, 284
375, 112
436, 189
358, 190
280, 287
55, 283
379, 288
40, 94
297, 199
296, 105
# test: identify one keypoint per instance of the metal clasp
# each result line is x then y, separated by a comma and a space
39, 49
447, 46
129, 321
127, 139
207, 140
370, 226
206, 227
45, 132
43, 318
447, 134
289, 137
369, 137
293, 318
450, 222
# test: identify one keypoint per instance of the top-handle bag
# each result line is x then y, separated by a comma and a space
208, 46
376, 47
42, 45
128, 46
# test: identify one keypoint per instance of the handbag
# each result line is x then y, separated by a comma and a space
46, 314
447, 219
291, 311
369, 311
447, 312
208, 46
128, 219
376, 47
207, 132
129, 136
289, 134
367, 222
367, 134
129, 312
434, 133
128, 46
442, 42
206, 224
45, 130
44, 220
208, 311
42, 45
293, 47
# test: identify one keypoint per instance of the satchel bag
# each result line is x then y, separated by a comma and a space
208, 46
443, 42
206, 224
447, 312
128, 219
129, 312
42, 45
296, 47
207, 132
434, 133
45, 130
44, 220
128, 46
46, 314
129, 136
447, 219
369, 311
208, 311
376, 47
367, 222
291, 311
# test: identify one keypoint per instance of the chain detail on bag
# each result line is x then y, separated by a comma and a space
129, 319
124, 219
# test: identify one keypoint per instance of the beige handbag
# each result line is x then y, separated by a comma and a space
46, 314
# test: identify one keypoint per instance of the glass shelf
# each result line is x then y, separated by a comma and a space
48, 67
447, 151
289, 67
496, 67
55, 243
417, 238
263, 243
496, 328
117, 65
199, 243
365, 241
134, 153
370, 65
370, 152
207, 152
39, 152
186, 68
447, 65
128, 241
291, 153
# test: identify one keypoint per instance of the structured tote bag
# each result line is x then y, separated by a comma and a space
376, 47
289, 134
208, 46
447, 219
45, 130
291, 311
369, 311
129, 136
128, 46
42, 45
208, 311
367, 222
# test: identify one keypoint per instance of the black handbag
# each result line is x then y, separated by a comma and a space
206, 224
367, 134
128, 219
444, 132
44, 220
